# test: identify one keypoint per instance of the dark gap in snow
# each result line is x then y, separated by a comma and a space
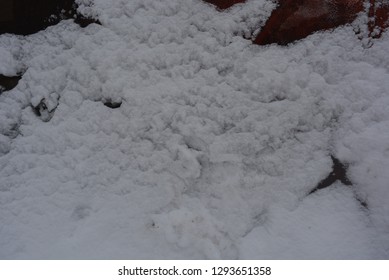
84, 21
25, 17
191, 147
339, 172
38, 109
277, 98
362, 202
8, 83
224, 4
111, 104
12, 131
42, 110
193, 143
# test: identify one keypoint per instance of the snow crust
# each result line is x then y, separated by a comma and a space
215, 146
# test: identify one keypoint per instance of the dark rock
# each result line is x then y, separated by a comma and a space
224, 4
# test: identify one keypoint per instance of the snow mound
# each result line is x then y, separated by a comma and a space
213, 150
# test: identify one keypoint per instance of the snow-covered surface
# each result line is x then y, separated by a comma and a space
215, 146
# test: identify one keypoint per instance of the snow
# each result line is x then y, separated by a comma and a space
215, 146
309, 231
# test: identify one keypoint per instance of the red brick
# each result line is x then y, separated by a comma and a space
295, 19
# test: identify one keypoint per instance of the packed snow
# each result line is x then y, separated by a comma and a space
214, 149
